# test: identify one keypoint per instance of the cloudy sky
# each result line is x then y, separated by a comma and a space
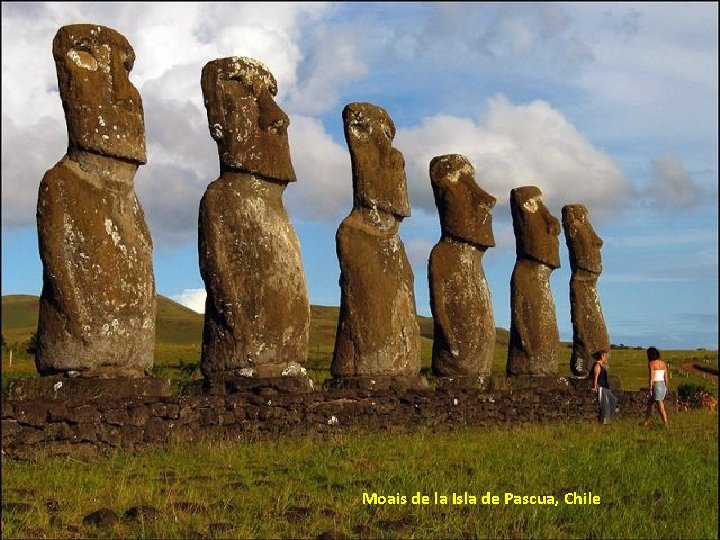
610, 105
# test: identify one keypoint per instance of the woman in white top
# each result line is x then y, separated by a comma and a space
658, 381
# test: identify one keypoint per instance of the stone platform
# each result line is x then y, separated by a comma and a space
69, 425
60, 387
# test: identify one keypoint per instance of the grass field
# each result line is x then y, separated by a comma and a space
651, 483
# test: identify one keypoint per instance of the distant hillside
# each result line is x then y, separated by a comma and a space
19, 317
177, 324
174, 323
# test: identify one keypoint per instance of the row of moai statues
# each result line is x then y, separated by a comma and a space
97, 307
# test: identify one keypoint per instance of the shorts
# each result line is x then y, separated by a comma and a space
659, 391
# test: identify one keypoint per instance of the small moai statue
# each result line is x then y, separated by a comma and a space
589, 331
534, 335
97, 307
464, 326
377, 332
257, 314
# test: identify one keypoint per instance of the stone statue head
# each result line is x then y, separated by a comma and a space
249, 128
378, 168
465, 209
582, 241
103, 109
536, 230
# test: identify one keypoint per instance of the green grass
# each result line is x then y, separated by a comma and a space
652, 483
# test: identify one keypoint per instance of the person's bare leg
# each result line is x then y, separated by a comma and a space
661, 410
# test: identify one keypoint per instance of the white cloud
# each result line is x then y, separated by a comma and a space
418, 252
170, 197
323, 191
333, 63
27, 153
192, 298
541, 35
516, 145
655, 77
672, 185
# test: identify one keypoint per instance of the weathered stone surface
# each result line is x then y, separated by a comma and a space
464, 325
97, 307
589, 331
85, 432
32, 413
103, 109
84, 414
7, 409
231, 384
478, 382
257, 314
29, 436
156, 430
141, 513
534, 335
104, 517
10, 428
58, 432
397, 383
82, 389
377, 331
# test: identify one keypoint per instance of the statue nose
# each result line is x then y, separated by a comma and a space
272, 117
124, 89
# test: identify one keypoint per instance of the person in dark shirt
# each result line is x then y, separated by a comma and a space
606, 399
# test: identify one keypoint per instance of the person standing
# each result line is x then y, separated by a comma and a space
658, 382
606, 399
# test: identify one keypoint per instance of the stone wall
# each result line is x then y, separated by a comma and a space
77, 426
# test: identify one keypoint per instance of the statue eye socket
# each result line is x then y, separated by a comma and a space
254, 88
83, 59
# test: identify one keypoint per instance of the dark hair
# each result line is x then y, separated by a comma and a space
653, 354
597, 355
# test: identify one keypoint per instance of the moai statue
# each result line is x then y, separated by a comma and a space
257, 315
464, 326
97, 307
589, 331
534, 335
377, 332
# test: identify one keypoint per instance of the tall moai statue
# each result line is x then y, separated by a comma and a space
589, 331
534, 335
257, 314
464, 326
377, 332
97, 307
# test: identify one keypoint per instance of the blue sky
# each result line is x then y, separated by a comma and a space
610, 105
